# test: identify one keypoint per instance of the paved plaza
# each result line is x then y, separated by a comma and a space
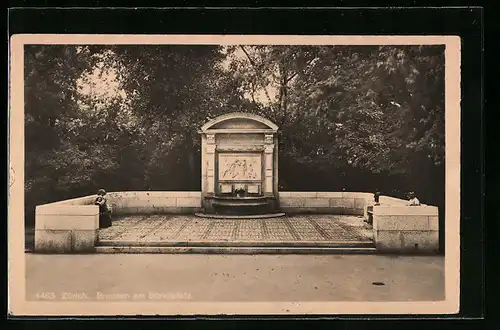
175, 228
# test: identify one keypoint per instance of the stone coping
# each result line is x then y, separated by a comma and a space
116, 195
387, 200
192, 199
405, 210
85, 200
326, 194
65, 209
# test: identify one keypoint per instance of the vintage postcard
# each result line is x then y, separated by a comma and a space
236, 175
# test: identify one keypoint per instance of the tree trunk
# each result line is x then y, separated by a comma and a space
191, 173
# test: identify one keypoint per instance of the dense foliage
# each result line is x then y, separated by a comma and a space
357, 118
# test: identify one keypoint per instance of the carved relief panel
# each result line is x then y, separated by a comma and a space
239, 167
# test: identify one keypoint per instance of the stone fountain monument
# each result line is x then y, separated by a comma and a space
239, 170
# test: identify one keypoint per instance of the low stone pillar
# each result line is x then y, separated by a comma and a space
210, 155
268, 166
406, 229
367, 209
66, 228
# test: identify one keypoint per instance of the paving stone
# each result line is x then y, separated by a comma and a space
168, 230
306, 230
171, 227
221, 230
195, 230
250, 230
278, 230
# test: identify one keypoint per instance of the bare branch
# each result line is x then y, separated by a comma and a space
297, 72
248, 57
256, 71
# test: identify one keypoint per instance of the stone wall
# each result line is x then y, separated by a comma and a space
345, 203
144, 202
151, 202
72, 225
402, 229
67, 226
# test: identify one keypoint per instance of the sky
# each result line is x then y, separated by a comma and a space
101, 84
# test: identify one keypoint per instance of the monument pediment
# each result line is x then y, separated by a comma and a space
239, 122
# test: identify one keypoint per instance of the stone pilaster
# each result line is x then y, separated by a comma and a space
210, 152
268, 164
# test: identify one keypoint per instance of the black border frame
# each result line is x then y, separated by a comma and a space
464, 22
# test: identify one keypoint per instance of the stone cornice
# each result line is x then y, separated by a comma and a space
240, 115
240, 148
237, 131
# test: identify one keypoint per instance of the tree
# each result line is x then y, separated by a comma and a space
386, 105
270, 70
126, 117
70, 135
342, 108
50, 97
174, 89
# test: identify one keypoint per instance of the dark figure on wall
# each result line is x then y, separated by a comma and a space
412, 200
376, 197
104, 209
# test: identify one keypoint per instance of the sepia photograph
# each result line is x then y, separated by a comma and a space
217, 174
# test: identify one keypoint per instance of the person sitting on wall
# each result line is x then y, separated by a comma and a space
104, 209
412, 200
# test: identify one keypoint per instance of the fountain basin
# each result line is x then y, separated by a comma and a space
240, 206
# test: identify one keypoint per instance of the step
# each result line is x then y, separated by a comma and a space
247, 244
231, 250
235, 216
240, 198
238, 203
